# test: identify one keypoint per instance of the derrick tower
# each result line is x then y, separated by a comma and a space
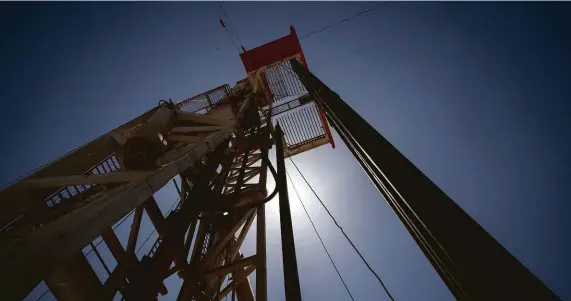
214, 147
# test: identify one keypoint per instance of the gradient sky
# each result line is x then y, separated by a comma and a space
477, 95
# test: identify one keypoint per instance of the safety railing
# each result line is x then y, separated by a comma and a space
107, 165
301, 126
204, 102
281, 83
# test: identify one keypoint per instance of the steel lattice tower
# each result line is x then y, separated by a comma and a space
217, 145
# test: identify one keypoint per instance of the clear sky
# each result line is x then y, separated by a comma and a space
477, 95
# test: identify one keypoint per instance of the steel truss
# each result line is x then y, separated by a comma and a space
221, 159
222, 165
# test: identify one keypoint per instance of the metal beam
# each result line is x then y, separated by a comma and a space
222, 232
250, 160
243, 289
194, 129
126, 262
183, 138
237, 279
107, 178
291, 276
216, 249
29, 258
261, 273
201, 118
155, 215
114, 244
471, 262
75, 162
236, 245
251, 172
209, 141
225, 269
150, 275
134, 233
188, 240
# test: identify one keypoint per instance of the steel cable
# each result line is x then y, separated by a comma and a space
319, 236
343, 232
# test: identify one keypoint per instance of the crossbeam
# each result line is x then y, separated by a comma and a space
195, 129
201, 118
93, 179
237, 279
183, 138
223, 270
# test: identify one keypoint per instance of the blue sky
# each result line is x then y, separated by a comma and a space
475, 94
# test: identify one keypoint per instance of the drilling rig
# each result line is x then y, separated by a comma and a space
216, 144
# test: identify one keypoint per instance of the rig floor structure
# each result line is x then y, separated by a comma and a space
214, 147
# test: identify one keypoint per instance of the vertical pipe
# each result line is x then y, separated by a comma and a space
261, 274
291, 276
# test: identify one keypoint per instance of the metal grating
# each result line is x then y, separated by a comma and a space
301, 126
282, 82
202, 103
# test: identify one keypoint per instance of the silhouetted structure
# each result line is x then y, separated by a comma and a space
216, 144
